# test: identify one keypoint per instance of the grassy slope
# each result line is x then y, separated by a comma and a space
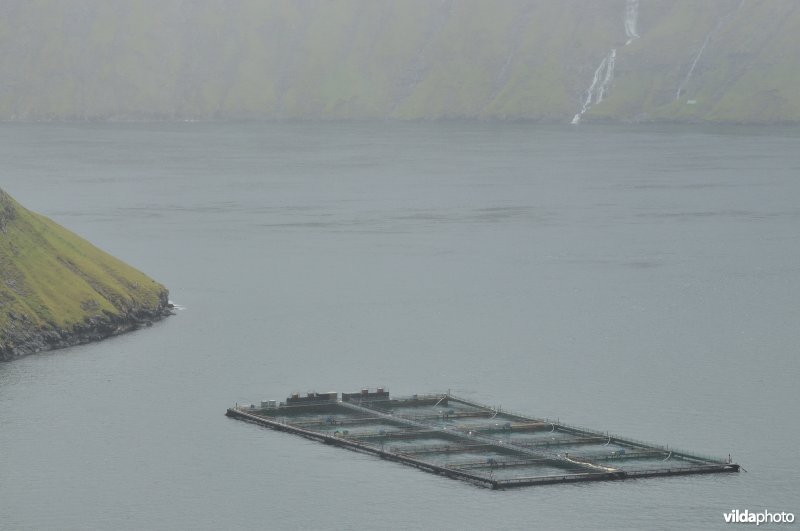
53, 278
410, 59
747, 73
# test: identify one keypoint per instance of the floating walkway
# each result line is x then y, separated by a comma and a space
461, 439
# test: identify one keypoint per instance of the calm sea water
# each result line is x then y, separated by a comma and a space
639, 280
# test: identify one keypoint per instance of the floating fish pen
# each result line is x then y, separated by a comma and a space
462, 439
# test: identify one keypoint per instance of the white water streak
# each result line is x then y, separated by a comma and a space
590, 91
177, 307
600, 83
631, 18
691, 68
611, 61
604, 73
708, 38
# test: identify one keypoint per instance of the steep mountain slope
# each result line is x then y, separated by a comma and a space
57, 289
715, 60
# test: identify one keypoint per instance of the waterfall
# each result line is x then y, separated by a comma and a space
691, 68
610, 60
590, 92
600, 83
604, 73
697, 56
631, 17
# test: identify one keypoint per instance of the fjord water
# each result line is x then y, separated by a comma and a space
642, 280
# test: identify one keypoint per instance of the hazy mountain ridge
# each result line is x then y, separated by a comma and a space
716, 60
57, 289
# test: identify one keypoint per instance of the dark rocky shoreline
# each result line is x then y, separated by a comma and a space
23, 338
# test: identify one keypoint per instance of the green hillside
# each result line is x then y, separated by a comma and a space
57, 289
709, 61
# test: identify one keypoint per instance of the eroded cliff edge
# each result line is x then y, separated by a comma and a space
58, 290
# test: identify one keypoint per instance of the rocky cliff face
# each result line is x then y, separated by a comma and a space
674, 60
58, 290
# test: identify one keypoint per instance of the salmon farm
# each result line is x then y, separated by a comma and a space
462, 439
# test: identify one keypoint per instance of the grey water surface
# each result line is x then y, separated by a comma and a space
642, 280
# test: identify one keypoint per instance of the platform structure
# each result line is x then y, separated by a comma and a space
462, 439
